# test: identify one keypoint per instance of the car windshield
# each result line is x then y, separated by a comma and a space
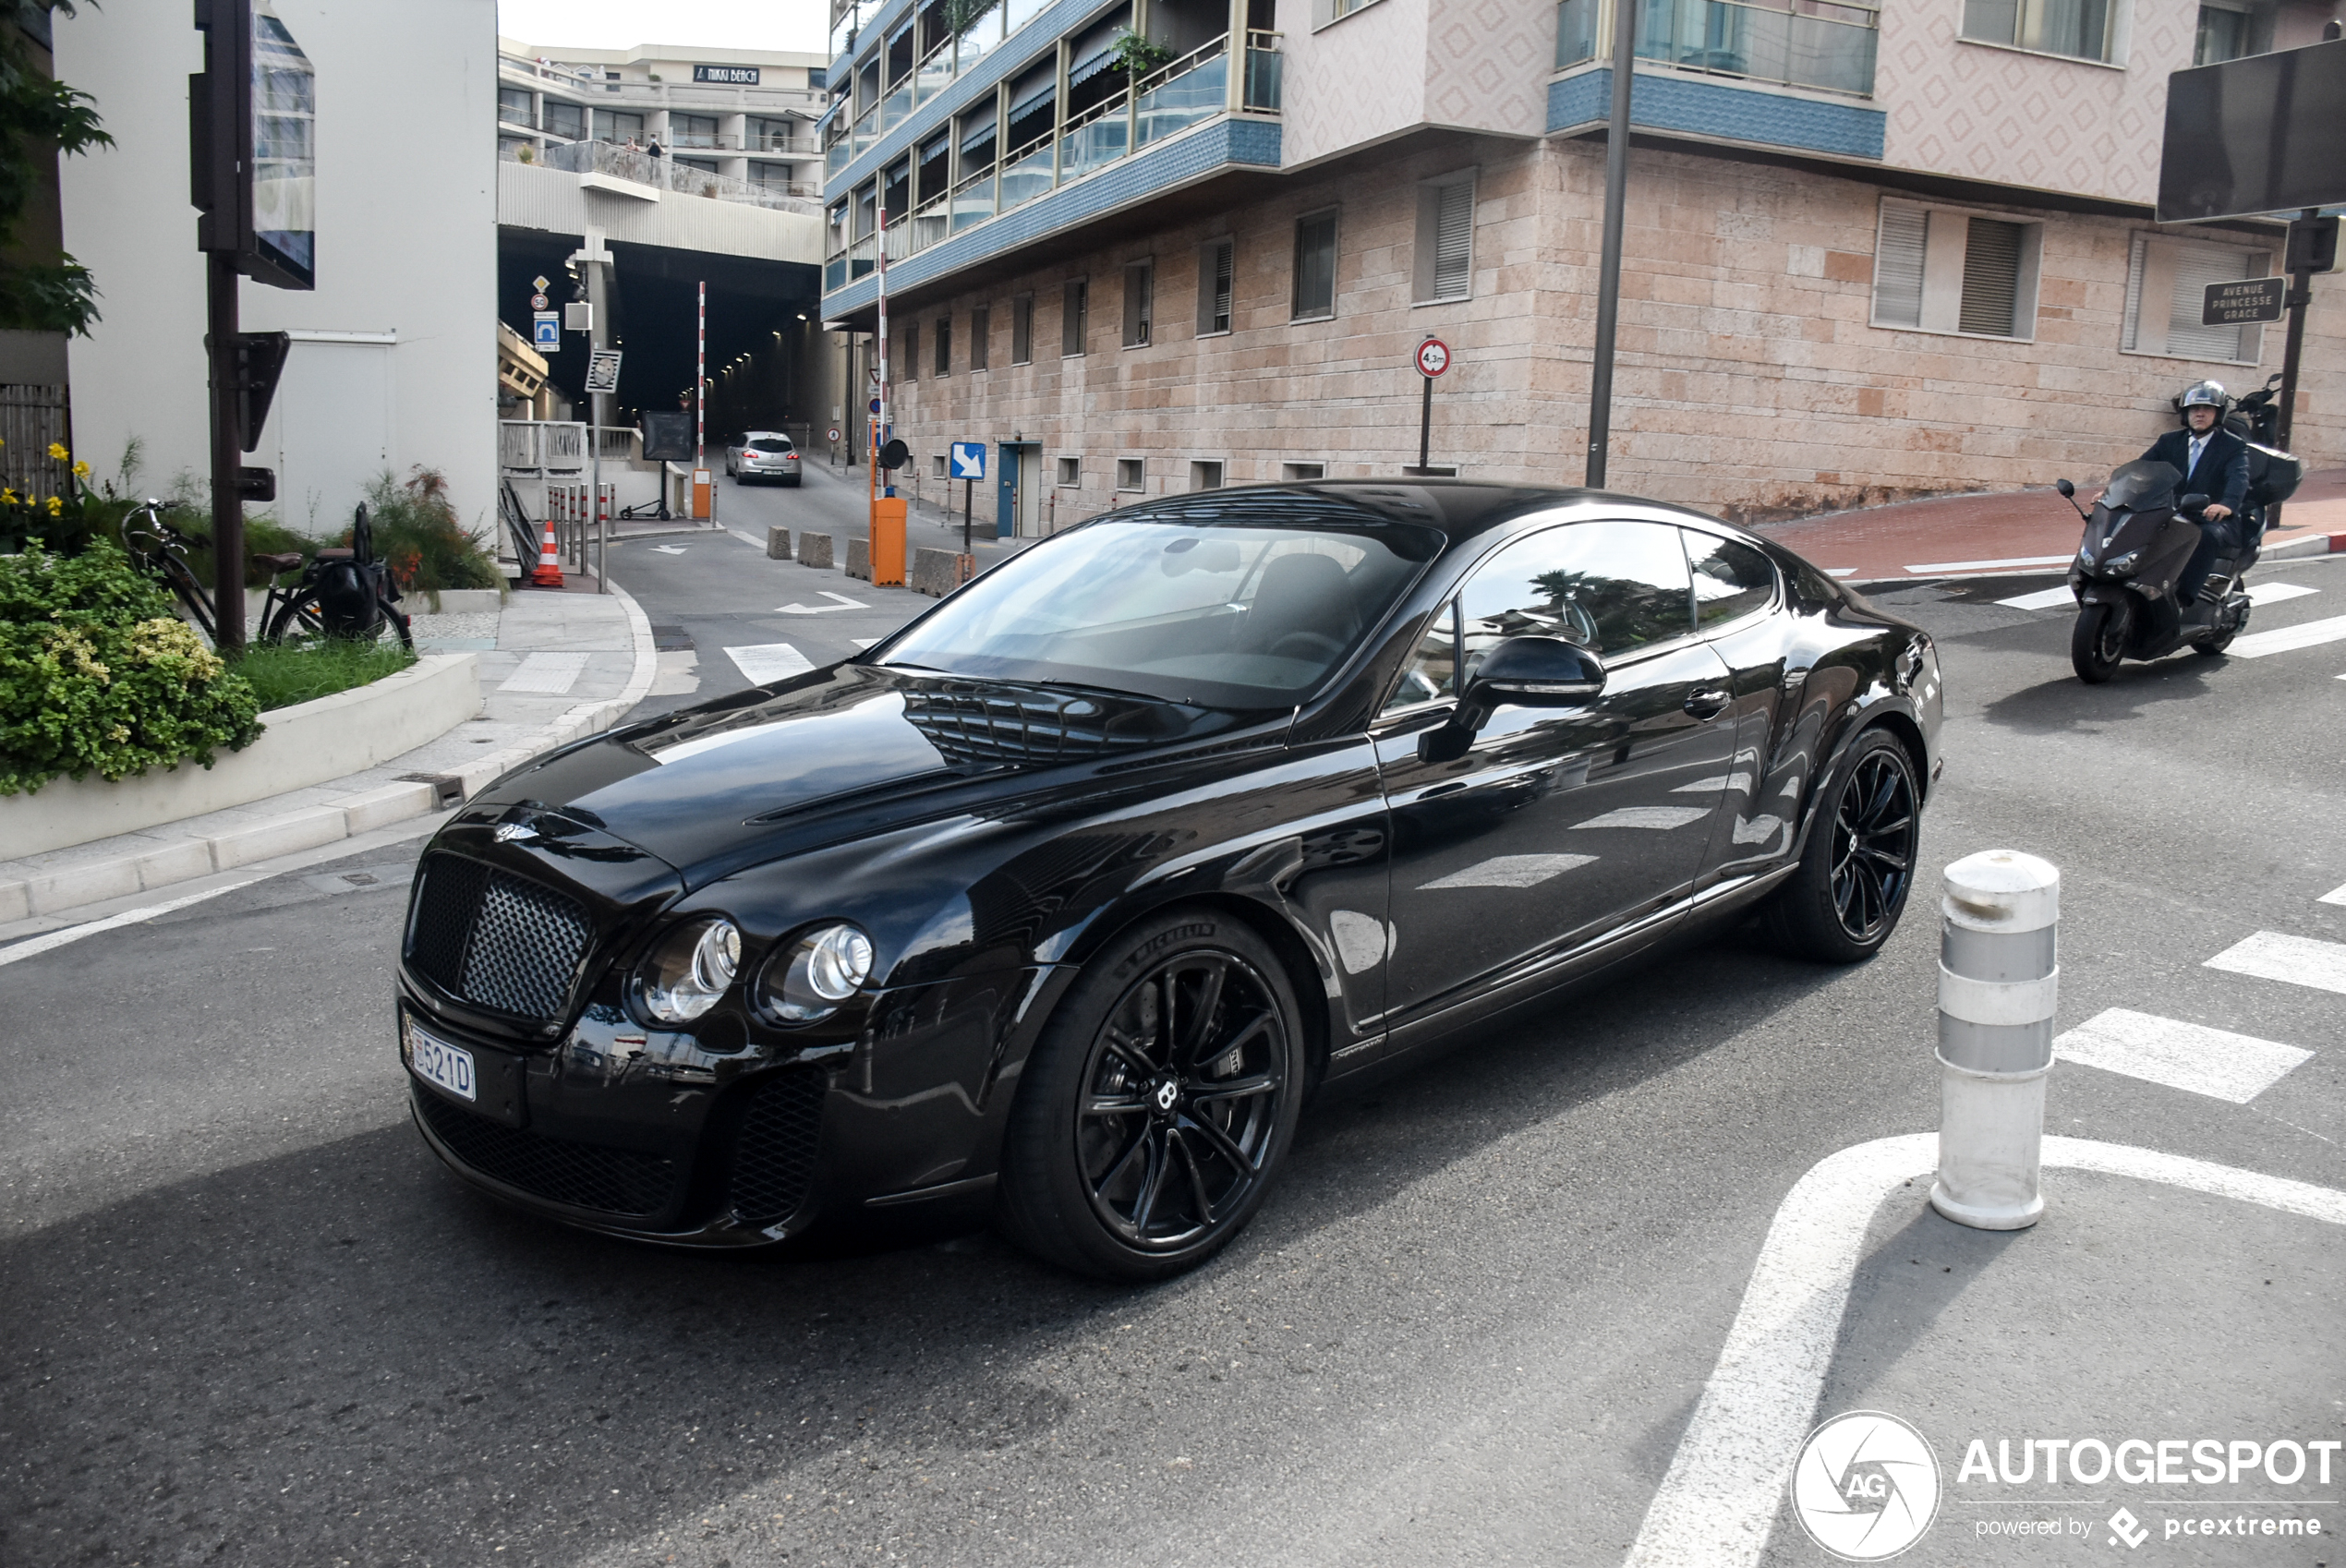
768, 443
2140, 485
1247, 602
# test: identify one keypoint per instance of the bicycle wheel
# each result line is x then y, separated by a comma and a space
303, 616
156, 554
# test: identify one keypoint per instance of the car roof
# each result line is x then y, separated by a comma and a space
765, 435
1459, 507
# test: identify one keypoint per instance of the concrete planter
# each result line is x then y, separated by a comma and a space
310, 743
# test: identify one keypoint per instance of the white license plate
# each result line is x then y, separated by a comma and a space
436, 1061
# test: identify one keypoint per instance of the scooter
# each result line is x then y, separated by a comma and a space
2138, 538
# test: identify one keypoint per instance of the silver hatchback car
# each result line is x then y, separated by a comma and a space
762, 454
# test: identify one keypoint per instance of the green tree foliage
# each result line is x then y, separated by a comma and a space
40, 117
98, 676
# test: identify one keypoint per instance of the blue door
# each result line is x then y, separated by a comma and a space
1004, 491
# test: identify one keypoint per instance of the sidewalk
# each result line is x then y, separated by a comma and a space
2026, 531
552, 666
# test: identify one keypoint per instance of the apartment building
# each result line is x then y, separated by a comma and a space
1872, 251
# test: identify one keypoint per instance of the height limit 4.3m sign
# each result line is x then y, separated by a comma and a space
1433, 357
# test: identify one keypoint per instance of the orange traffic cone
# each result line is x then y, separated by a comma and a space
550, 567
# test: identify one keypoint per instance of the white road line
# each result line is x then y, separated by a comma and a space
1510, 871
1840, 572
2276, 593
2288, 639
128, 917
1994, 565
2044, 598
2298, 960
1717, 1503
2213, 1062
668, 549
751, 541
761, 663
843, 603
1660, 817
2336, 895
546, 674
864, 642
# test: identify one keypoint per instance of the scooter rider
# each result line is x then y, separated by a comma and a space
2213, 463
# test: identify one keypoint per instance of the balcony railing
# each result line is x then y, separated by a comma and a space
1026, 174
665, 173
1193, 88
973, 200
897, 104
1265, 71
1814, 44
1095, 139
581, 81
932, 221
935, 74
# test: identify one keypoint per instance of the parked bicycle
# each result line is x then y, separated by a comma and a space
344, 592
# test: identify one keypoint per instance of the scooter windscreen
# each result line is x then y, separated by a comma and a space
2137, 487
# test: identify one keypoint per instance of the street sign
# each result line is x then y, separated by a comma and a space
602, 370
874, 405
546, 330
2250, 300
538, 302
538, 283
894, 455
579, 315
969, 460
1433, 357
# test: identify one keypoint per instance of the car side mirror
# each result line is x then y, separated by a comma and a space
1535, 672
2066, 487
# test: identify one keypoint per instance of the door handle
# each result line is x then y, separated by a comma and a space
1708, 704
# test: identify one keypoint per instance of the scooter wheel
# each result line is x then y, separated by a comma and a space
2209, 647
2098, 643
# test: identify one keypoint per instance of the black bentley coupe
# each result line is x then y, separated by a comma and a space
1057, 904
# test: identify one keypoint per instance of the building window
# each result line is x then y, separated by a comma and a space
512, 103
566, 120
1216, 267
1445, 238
907, 358
944, 345
2077, 28
980, 323
1314, 267
1130, 473
2166, 287
1943, 270
613, 126
1205, 475
692, 130
1139, 302
1070, 470
937, 469
1023, 329
1296, 473
2227, 33
1075, 316
1326, 11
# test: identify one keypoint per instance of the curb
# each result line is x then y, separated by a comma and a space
337, 819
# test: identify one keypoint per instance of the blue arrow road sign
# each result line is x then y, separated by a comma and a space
969, 460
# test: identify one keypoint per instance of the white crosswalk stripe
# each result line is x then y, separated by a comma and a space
2190, 1056
2336, 895
2276, 593
764, 663
2297, 961
2288, 639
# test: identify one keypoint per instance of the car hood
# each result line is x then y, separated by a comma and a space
841, 752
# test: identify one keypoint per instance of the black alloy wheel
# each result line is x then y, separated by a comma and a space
2098, 642
1854, 877
1158, 1103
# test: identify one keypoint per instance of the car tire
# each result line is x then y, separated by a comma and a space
1156, 1108
1854, 877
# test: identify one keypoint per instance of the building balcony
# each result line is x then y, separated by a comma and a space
659, 177
590, 87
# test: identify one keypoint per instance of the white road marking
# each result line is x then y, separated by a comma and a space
2336, 895
1726, 1481
1662, 817
546, 674
2275, 593
864, 642
762, 663
1510, 871
2298, 960
1715, 783
675, 674
2288, 639
668, 549
2044, 598
128, 917
1995, 566
2213, 1062
844, 603
1840, 572
750, 540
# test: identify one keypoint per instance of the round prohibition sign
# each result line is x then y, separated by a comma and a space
1433, 357
834, 434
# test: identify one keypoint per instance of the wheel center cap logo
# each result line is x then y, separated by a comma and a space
1166, 1095
1865, 1485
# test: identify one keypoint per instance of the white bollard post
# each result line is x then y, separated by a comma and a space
1999, 974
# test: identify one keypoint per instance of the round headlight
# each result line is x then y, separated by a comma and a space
689, 969
808, 979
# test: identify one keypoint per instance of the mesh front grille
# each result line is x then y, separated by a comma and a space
774, 1163
494, 939
616, 1181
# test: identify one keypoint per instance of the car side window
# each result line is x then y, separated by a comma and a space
1609, 587
1431, 672
1731, 579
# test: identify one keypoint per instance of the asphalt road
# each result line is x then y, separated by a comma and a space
250, 1320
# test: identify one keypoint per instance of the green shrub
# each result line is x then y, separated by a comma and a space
264, 536
97, 675
418, 536
283, 674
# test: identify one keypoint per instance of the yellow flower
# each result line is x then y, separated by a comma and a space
8, 498
58, 450
56, 505
81, 470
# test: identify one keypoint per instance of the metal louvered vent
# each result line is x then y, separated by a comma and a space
774, 1160
1454, 240
494, 939
977, 728
1992, 278
615, 1181
1897, 267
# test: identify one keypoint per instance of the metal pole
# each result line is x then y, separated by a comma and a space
227, 455
1616, 182
2301, 294
598, 413
882, 434
1425, 426
700, 383
969, 489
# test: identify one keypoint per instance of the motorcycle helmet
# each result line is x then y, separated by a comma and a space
2205, 395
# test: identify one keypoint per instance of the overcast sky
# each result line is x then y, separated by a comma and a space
622, 24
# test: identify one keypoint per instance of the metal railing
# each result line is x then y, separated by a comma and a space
935, 74
1193, 88
1096, 138
932, 221
1026, 174
1820, 44
667, 174
584, 80
973, 200
530, 449
1265, 71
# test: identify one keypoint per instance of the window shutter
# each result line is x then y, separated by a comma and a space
1897, 267
2197, 266
1991, 277
2137, 259
1214, 297
1454, 242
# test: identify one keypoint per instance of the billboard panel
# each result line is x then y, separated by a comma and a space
2256, 136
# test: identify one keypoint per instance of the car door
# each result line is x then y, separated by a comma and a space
1556, 825
1737, 599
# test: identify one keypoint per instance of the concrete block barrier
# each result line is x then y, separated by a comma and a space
776, 543
938, 571
859, 559
814, 550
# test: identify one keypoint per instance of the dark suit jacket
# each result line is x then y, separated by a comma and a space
2223, 467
